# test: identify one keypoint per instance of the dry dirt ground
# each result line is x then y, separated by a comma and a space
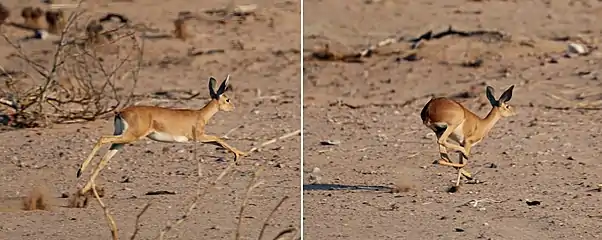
50, 157
547, 154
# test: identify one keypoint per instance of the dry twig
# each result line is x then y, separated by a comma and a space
283, 233
267, 219
325, 54
254, 183
110, 220
137, 225
274, 140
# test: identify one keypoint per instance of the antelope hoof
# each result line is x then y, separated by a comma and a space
466, 174
79, 172
238, 155
236, 158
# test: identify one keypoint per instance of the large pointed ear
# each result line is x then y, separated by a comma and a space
212, 93
489, 92
507, 95
222, 88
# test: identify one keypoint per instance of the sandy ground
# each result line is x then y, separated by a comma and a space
370, 111
50, 157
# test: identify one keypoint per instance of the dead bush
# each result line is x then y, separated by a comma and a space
37, 199
79, 200
75, 81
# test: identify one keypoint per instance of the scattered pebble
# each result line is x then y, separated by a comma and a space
576, 48
330, 142
314, 177
533, 203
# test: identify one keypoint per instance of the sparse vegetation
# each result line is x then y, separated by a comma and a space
37, 199
93, 71
81, 83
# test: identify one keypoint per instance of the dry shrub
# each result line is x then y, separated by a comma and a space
4, 13
79, 200
32, 17
181, 30
76, 81
404, 184
55, 20
38, 199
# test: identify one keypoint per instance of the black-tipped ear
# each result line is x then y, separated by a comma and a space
489, 92
222, 88
507, 95
212, 93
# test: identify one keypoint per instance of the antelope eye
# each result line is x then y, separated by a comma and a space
227, 100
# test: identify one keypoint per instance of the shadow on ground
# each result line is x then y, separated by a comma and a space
340, 187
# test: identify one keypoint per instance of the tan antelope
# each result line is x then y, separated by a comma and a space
449, 119
163, 125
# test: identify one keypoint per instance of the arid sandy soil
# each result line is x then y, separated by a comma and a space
50, 157
370, 111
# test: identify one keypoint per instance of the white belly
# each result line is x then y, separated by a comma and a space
166, 137
458, 135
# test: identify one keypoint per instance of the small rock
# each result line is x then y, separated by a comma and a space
533, 203
576, 48
314, 179
40, 34
330, 142
459, 230
125, 179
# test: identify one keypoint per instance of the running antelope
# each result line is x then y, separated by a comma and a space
162, 125
449, 119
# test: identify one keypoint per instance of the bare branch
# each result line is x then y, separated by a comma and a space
274, 140
267, 219
137, 228
81, 83
252, 185
108, 216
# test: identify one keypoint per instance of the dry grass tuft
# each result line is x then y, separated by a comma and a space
4, 14
181, 30
78, 200
403, 185
37, 199
453, 189
56, 21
